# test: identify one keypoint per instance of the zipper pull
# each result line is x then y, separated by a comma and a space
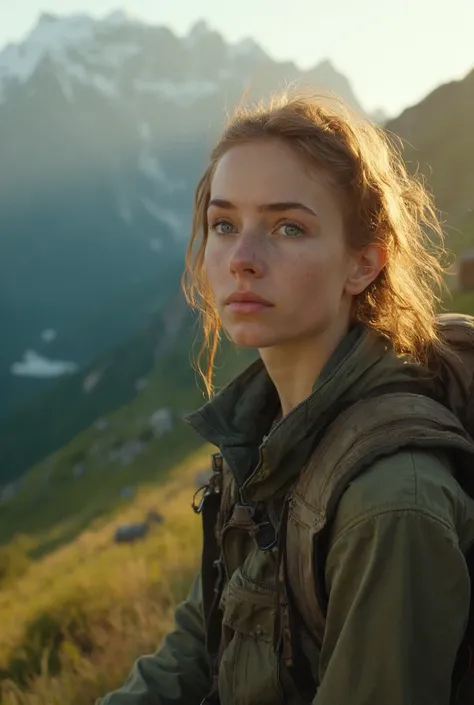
213, 485
217, 462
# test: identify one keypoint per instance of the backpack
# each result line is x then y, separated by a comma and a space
379, 424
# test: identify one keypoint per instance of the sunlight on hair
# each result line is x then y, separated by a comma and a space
381, 201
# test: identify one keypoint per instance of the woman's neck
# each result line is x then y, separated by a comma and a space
295, 367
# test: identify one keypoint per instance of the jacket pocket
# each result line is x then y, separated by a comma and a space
249, 668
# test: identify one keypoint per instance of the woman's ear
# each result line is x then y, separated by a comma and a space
366, 265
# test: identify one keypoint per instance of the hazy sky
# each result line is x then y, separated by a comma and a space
393, 51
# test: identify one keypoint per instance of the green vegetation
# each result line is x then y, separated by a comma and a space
75, 621
54, 505
461, 302
14, 560
55, 416
75, 608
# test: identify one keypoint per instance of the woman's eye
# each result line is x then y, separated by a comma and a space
290, 230
223, 227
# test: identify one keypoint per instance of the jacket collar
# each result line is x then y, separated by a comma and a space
238, 419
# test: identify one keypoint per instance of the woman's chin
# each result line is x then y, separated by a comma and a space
249, 335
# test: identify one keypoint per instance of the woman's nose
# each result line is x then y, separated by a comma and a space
246, 259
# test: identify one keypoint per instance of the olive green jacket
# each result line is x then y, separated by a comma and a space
396, 576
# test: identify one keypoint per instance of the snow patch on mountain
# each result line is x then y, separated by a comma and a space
49, 37
55, 36
101, 83
34, 365
96, 44
114, 55
182, 93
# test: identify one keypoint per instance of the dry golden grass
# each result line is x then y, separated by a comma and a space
109, 603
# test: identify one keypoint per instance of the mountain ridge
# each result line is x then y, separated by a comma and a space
106, 125
439, 142
54, 35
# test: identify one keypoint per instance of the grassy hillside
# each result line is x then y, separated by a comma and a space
73, 624
75, 608
60, 496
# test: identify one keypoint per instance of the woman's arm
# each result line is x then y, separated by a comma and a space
399, 593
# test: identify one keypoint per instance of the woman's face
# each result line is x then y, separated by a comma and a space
276, 256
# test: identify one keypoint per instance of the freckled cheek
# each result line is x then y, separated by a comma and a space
308, 281
307, 274
214, 268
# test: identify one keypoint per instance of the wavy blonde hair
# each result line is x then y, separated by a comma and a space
381, 202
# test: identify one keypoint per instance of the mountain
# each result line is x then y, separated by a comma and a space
82, 398
439, 141
105, 125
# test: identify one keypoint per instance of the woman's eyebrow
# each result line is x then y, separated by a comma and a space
267, 207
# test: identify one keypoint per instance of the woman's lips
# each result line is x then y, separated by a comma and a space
247, 306
247, 302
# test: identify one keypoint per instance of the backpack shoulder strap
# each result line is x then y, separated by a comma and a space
369, 429
214, 505
454, 366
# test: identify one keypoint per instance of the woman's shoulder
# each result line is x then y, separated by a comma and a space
411, 480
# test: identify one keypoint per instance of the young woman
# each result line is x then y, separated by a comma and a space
312, 244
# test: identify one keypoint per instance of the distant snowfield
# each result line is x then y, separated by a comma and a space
34, 365
94, 52
53, 35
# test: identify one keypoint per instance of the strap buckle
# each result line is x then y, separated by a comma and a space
196, 504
